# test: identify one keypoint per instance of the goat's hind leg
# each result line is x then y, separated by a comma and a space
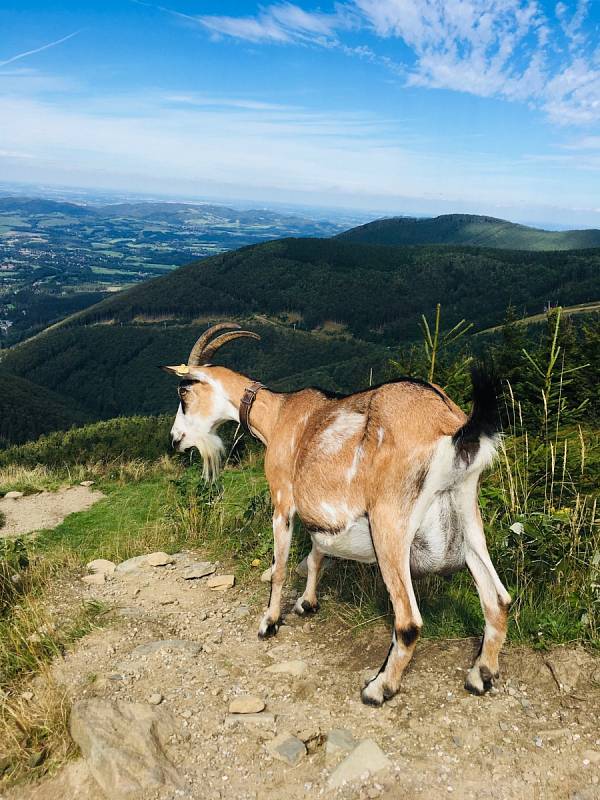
283, 523
392, 545
495, 602
307, 603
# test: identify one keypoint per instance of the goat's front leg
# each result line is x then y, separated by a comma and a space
392, 546
283, 523
307, 603
495, 602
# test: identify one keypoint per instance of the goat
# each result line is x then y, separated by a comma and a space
389, 474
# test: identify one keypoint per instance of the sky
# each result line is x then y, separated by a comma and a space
394, 106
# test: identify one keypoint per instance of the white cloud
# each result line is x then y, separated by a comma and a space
280, 23
491, 48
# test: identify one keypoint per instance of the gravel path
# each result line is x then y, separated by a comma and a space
36, 512
187, 651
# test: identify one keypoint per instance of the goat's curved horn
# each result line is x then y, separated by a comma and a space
223, 339
197, 357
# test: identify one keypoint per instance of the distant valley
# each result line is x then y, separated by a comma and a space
57, 257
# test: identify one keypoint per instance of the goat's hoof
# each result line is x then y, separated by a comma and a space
268, 629
480, 680
376, 693
303, 607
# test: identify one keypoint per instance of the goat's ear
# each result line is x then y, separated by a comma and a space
182, 371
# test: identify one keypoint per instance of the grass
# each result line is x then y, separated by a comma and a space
34, 710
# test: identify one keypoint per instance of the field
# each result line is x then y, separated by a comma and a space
57, 257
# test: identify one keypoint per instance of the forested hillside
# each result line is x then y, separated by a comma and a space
469, 229
378, 293
28, 410
330, 313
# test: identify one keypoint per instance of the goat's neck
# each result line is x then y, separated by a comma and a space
265, 408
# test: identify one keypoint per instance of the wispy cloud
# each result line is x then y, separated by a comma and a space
280, 23
510, 49
27, 53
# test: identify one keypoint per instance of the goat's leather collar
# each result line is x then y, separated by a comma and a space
246, 404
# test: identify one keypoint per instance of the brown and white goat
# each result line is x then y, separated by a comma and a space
388, 474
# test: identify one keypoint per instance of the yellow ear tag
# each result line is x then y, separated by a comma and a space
183, 369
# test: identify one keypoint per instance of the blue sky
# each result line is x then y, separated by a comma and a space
399, 106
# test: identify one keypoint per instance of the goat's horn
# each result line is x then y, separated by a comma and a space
223, 339
196, 358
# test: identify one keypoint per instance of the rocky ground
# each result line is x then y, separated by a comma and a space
179, 699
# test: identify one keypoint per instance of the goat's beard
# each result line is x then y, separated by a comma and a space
211, 449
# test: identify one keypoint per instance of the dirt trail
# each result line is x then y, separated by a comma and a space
43, 510
535, 737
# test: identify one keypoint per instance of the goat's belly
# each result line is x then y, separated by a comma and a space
438, 546
353, 543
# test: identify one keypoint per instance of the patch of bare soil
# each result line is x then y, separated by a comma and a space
187, 651
36, 512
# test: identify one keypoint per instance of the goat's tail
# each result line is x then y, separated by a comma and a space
484, 420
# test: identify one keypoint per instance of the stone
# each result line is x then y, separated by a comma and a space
367, 758
221, 582
240, 612
518, 528
87, 483
102, 565
199, 569
94, 580
266, 576
131, 565
159, 559
122, 744
249, 704
592, 756
264, 720
13, 495
155, 699
287, 748
295, 668
340, 741
177, 645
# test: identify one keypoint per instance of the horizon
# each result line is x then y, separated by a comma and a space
360, 107
89, 195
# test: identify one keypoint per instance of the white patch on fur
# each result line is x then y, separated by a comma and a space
380, 436
353, 543
474, 679
447, 471
193, 430
278, 496
345, 425
353, 468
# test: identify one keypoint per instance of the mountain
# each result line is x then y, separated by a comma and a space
27, 410
39, 205
468, 229
328, 311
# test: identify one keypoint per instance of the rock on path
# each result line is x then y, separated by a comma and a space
123, 746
